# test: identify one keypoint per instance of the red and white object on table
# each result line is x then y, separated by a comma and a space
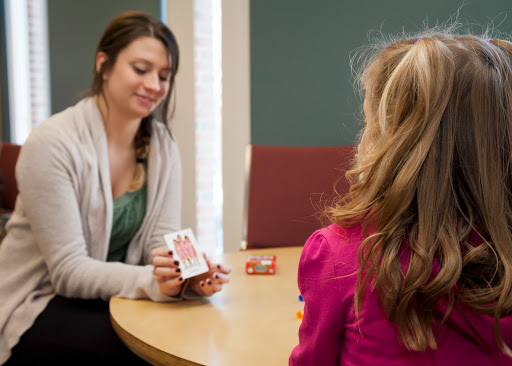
261, 264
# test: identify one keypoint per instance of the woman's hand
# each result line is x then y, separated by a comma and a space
167, 271
208, 283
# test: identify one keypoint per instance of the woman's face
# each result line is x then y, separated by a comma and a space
139, 79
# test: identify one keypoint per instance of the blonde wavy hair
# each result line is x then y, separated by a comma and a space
435, 172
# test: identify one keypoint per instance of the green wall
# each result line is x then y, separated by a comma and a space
301, 83
74, 30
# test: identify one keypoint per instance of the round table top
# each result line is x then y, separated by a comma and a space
252, 321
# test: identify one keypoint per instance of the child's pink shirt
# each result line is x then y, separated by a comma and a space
330, 335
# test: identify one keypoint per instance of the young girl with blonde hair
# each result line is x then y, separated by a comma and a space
416, 268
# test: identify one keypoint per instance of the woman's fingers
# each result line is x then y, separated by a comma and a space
207, 287
170, 281
163, 257
216, 286
208, 263
160, 272
162, 252
160, 261
170, 286
221, 278
213, 284
222, 269
166, 271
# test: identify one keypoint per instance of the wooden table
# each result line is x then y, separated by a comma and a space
252, 321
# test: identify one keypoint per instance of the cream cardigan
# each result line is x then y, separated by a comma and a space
58, 236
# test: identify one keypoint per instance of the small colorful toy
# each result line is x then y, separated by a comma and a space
300, 314
261, 264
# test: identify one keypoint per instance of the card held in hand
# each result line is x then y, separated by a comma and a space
184, 245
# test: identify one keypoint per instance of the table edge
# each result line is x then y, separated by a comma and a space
147, 352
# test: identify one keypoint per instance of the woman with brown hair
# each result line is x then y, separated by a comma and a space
416, 268
99, 187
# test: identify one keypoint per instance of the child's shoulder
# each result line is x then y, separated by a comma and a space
334, 231
335, 241
338, 236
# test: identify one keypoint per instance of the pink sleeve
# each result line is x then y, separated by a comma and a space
322, 330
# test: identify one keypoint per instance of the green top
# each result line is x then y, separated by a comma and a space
129, 212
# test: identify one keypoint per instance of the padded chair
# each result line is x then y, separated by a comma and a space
8, 187
8, 157
288, 187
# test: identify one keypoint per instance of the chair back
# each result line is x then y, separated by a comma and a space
8, 157
288, 188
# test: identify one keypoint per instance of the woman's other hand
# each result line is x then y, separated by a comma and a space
208, 283
167, 271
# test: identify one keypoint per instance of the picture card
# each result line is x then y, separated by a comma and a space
184, 245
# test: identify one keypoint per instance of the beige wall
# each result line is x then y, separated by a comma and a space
236, 115
180, 16
235, 110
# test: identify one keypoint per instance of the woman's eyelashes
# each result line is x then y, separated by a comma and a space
164, 78
142, 71
139, 70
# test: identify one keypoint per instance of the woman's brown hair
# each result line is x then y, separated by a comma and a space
432, 186
120, 32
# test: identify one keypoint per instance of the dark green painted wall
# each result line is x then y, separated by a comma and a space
301, 82
74, 30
